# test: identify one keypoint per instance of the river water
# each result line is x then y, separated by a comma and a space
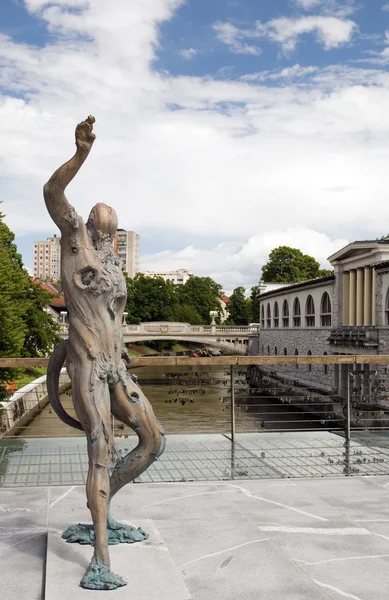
191, 400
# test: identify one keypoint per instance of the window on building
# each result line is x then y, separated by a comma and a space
263, 350
276, 316
285, 352
285, 314
310, 312
310, 365
387, 308
268, 350
325, 366
262, 317
296, 353
268, 316
325, 311
275, 351
296, 313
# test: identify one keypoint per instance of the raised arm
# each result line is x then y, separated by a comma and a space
54, 190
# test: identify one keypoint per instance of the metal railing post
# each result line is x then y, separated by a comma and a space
349, 376
232, 373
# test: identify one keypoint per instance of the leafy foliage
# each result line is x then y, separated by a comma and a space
254, 304
202, 294
25, 328
154, 299
290, 265
150, 299
239, 307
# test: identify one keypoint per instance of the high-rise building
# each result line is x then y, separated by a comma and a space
47, 259
127, 247
178, 277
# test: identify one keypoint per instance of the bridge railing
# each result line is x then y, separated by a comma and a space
25, 404
163, 328
258, 393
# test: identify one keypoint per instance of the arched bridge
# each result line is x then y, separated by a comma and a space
234, 338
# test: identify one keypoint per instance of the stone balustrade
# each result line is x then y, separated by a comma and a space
26, 403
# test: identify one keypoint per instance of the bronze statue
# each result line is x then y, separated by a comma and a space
95, 294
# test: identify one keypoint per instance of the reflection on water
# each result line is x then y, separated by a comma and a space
193, 400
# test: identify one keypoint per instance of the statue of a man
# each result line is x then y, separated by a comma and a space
95, 294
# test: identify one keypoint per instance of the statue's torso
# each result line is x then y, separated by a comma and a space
95, 294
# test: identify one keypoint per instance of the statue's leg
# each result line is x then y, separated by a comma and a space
131, 407
92, 405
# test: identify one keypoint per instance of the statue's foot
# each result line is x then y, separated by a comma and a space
80, 534
100, 577
118, 533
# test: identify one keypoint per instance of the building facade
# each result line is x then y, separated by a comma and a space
47, 259
127, 247
178, 277
345, 313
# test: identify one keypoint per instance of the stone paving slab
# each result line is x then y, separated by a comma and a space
303, 539
147, 566
23, 536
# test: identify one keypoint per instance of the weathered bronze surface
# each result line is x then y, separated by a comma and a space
95, 296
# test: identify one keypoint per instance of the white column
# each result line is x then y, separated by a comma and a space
359, 311
346, 299
367, 297
373, 297
352, 298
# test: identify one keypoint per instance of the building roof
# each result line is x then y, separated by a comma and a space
356, 247
318, 281
49, 286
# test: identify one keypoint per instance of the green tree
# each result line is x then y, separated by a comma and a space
202, 294
25, 328
239, 307
150, 299
290, 265
254, 304
187, 314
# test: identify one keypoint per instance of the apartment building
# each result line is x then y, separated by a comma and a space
47, 259
127, 247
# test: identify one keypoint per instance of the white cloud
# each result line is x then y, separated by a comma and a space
331, 32
385, 6
308, 4
235, 160
334, 8
188, 53
294, 73
231, 35
235, 263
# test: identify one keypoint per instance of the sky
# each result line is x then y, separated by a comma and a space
224, 128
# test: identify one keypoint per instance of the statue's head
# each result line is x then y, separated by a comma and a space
103, 219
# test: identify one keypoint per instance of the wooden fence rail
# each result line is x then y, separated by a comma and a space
147, 361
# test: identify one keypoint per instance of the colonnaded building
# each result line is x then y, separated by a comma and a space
344, 313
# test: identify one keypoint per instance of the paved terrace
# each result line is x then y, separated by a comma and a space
281, 535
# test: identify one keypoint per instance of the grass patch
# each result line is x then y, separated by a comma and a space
30, 374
